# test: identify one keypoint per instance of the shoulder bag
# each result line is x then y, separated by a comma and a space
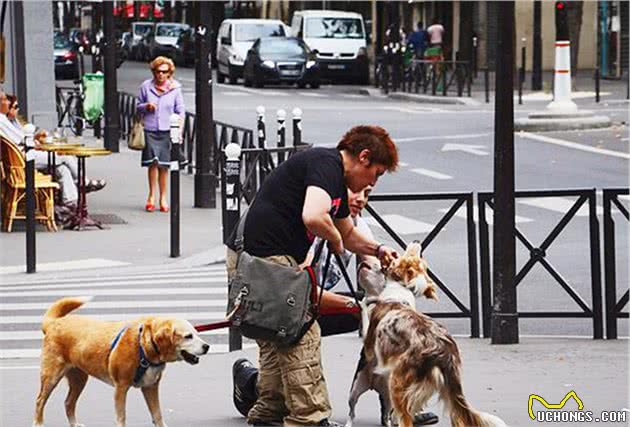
136, 136
269, 301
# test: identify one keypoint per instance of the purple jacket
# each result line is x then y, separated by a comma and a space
168, 103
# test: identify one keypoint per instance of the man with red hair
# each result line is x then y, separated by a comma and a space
304, 198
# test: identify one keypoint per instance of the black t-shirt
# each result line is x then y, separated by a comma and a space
274, 223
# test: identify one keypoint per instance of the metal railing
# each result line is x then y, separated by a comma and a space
459, 199
614, 307
425, 76
538, 255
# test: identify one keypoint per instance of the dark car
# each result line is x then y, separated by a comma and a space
66, 58
281, 60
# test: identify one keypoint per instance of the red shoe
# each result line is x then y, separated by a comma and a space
163, 208
150, 207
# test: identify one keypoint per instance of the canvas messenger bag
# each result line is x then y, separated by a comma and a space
269, 301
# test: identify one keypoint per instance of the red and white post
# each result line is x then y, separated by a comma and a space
562, 102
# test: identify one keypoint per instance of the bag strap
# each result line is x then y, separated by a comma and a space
346, 276
239, 242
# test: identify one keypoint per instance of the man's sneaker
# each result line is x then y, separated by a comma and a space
425, 419
244, 379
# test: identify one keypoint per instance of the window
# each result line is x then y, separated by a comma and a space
169, 30
288, 47
333, 28
251, 32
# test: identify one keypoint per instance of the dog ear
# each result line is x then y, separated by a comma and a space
414, 249
162, 335
430, 292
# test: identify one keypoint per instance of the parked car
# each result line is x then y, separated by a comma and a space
66, 54
164, 41
281, 60
339, 39
236, 37
139, 31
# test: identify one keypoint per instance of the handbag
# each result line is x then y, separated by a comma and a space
269, 301
136, 136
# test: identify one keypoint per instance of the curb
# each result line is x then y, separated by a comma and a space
555, 124
430, 99
213, 256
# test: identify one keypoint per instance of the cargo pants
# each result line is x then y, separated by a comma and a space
291, 384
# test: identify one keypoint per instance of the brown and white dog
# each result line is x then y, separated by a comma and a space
407, 357
122, 354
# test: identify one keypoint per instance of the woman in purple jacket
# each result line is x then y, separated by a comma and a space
159, 98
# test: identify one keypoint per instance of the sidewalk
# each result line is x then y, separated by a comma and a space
133, 237
497, 379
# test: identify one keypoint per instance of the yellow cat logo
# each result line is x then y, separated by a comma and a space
547, 405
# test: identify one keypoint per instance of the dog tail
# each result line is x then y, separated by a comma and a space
461, 412
62, 307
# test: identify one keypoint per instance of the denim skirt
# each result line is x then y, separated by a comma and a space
157, 148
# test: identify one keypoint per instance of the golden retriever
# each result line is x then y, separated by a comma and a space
122, 354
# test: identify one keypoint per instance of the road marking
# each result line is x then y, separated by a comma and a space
461, 213
558, 204
416, 110
431, 174
81, 264
432, 138
477, 150
206, 315
352, 95
235, 94
574, 145
119, 304
312, 94
31, 353
401, 224
254, 91
403, 164
115, 292
114, 283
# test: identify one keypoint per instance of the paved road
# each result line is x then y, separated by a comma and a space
196, 294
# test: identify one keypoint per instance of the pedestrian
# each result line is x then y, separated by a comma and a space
158, 99
244, 373
436, 34
304, 198
418, 40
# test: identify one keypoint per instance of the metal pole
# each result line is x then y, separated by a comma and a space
597, 81
175, 150
281, 133
521, 79
504, 314
297, 127
112, 125
474, 56
262, 142
29, 144
231, 210
486, 82
537, 81
96, 25
205, 179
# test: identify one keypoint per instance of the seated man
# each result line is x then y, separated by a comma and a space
66, 172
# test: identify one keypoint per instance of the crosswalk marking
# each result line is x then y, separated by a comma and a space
401, 224
558, 204
114, 283
198, 295
114, 292
66, 265
235, 94
312, 94
431, 174
461, 213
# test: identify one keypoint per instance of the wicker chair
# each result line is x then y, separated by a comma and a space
14, 186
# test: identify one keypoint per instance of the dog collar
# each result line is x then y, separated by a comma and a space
145, 363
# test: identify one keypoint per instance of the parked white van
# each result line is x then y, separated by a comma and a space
339, 39
236, 37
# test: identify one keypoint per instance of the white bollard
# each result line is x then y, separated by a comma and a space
562, 102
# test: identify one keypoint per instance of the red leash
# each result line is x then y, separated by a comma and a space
213, 326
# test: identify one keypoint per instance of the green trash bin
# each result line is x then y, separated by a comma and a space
94, 96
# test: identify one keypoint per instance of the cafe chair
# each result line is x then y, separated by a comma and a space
14, 190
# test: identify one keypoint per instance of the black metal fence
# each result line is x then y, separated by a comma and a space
459, 199
424, 76
538, 254
614, 307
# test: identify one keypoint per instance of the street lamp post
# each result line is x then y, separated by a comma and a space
504, 312
205, 179
112, 123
